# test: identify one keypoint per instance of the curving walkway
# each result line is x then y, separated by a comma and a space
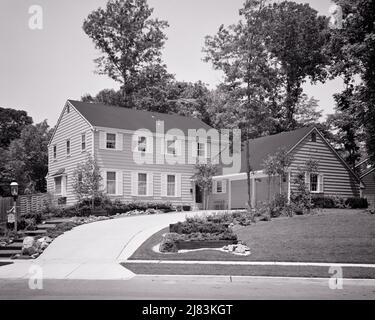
94, 250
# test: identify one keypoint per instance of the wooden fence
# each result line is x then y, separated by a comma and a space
25, 204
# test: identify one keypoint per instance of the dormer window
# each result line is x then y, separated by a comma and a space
142, 144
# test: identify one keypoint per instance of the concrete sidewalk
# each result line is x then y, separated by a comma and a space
94, 250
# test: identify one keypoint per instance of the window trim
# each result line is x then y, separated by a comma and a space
205, 149
175, 185
318, 182
83, 141
106, 182
221, 186
138, 194
139, 144
68, 146
106, 140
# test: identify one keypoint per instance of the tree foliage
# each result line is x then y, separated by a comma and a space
87, 180
353, 58
12, 123
131, 43
203, 175
26, 159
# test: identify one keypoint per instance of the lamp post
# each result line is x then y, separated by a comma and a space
14, 193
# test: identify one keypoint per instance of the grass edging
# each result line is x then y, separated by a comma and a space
241, 270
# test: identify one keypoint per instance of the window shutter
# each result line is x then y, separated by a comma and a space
150, 184
224, 186
149, 144
103, 182
119, 183
321, 183
194, 147
163, 181
119, 141
134, 183
102, 140
178, 184
178, 144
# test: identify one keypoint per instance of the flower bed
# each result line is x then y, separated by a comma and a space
199, 244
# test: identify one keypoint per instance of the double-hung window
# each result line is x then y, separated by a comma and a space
54, 152
67, 148
142, 184
111, 182
201, 149
171, 185
83, 141
219, 186
314, 182
111, 141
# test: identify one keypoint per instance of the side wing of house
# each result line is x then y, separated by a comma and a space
333, 176
369, 191
72, 141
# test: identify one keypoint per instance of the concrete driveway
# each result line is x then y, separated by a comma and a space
94, 250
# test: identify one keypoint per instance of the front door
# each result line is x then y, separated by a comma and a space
198, 194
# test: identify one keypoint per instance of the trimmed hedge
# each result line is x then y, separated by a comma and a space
334, 202
357, 203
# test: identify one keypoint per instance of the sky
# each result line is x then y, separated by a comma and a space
41, 69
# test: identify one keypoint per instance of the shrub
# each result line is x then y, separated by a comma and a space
323, 202
197, 226
168, 243
357, 203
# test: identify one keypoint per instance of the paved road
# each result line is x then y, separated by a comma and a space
190, 288
94, 250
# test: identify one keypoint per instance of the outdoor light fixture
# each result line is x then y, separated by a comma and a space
14, 189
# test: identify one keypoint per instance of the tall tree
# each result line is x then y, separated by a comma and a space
296, 36
27, 158
11, 124
131, 43
353, 58
239, 52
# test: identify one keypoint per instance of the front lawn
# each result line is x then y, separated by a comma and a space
335, 235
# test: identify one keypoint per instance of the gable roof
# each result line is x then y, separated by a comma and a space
370, 167
101, 115
262, 147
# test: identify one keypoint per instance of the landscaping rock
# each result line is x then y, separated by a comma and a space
29, 246
239, 249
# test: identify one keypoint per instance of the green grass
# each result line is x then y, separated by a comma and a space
346, 236
272, 271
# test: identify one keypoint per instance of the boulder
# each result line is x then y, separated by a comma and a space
29, 246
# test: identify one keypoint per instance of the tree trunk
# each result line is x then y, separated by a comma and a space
248, 171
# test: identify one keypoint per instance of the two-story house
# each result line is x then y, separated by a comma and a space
143, 156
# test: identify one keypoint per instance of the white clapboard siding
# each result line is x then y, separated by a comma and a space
178, 185
70, 126
119, 141
102, 140
163, 180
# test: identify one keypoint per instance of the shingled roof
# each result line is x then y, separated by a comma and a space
262, 147
101, 115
